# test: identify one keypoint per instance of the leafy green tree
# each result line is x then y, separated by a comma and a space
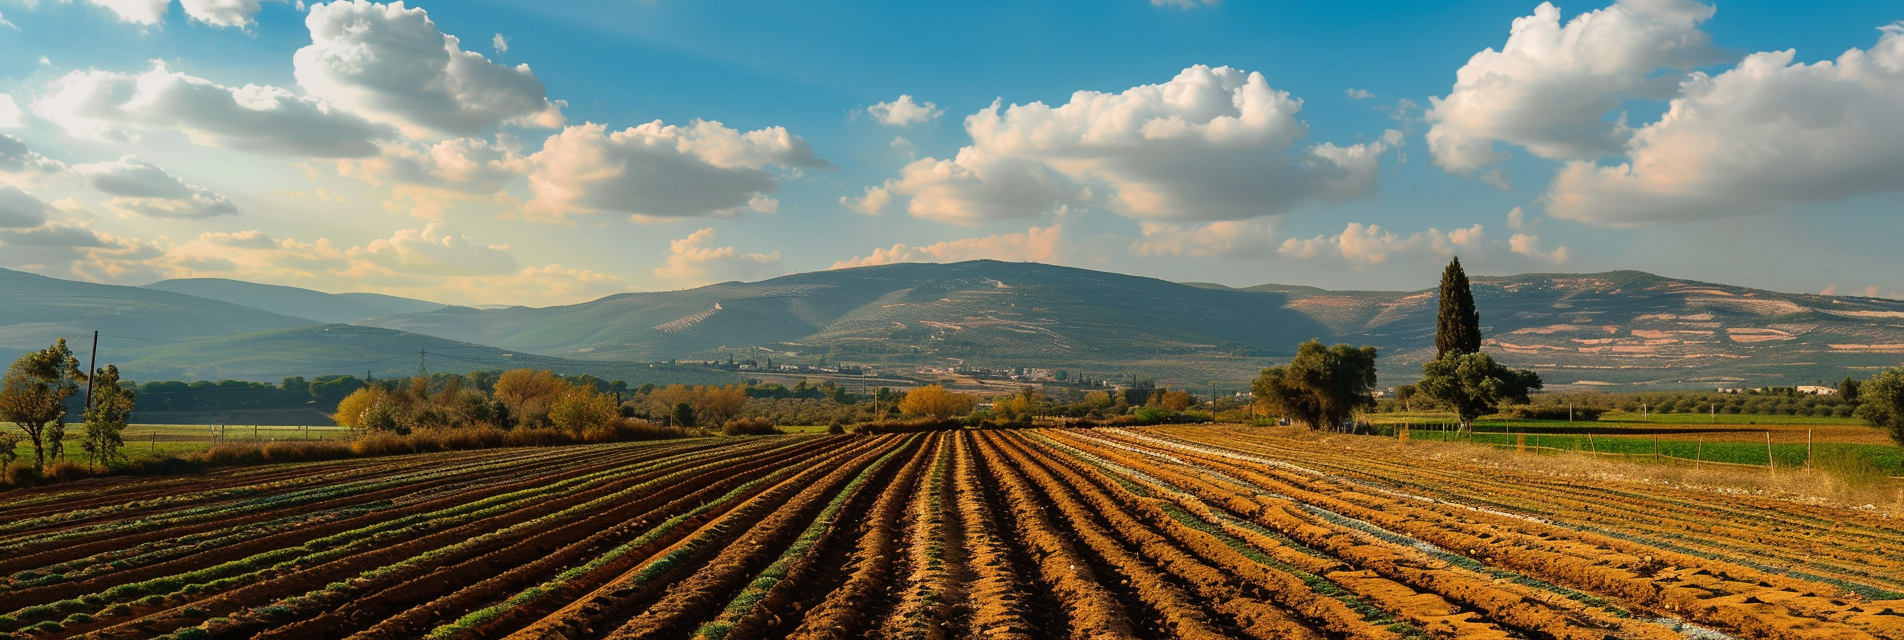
1883, 403
1457, 324
1322, 386
1475, 384
106, 419
33, 397
683, 415
1848, 390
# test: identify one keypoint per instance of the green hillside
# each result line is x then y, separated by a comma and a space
35, 310
1618, 328
292, 301
317, 350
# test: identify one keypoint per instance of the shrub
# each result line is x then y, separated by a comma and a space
24, 474
67, 471
1551, 412
749, 427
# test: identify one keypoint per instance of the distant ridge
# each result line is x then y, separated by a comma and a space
1624, 329
294, 301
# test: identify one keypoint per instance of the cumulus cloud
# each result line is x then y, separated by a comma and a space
1529, 245
19, 209
142, 188
975, 186
437, 249
1034, 245
1551, 87
500, 44
1210, 144
1766, 135
1361, 246
222, 13
391, 63
1360, 94
262, 119
696, 259
659, 171
19, 164
904, 112
77, 251
135, 11
10, 113
1225, 238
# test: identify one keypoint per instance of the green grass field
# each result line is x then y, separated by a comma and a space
173, 439
1622, 418
1888, 459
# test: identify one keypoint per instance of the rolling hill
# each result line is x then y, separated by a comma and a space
1616, 328
315, 350
296, 302
35, 310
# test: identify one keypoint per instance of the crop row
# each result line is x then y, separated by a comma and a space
1156, 533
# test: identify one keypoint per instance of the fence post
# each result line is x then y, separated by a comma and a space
1771, 464
1655, 450
1808, 451
1700, 455
1591, 446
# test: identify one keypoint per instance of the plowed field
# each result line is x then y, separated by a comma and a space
1150, 533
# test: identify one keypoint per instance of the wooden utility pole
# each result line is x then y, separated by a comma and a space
92, 367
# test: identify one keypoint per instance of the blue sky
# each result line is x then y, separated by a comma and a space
659, 144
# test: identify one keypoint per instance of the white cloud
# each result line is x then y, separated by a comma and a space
662, 171
1767, 135
1182, 4
19, 209
9, 111
263, 119
904, 112
1361, 246
5, 23
1551, 87
1034, 245
1498, 179
1360, 94
1225, 238
1210, 144
391, 63
1515, 218
143, 189
436, 262
135, 11
1529, 245
19, 164
77, 251
437, 249
222, 13
500, 44
696, 260
975, 186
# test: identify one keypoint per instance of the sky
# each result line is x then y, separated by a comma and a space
543, 153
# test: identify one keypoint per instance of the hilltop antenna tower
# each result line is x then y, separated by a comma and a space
423, 363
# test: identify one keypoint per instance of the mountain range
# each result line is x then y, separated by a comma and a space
1619, 329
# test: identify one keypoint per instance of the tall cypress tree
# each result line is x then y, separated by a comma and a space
1457, 324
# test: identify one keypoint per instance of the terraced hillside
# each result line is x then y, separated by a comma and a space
1629, 326
1171, 533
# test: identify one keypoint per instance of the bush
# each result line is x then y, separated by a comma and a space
24, 474
1551, 412
67, 471
749, 427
